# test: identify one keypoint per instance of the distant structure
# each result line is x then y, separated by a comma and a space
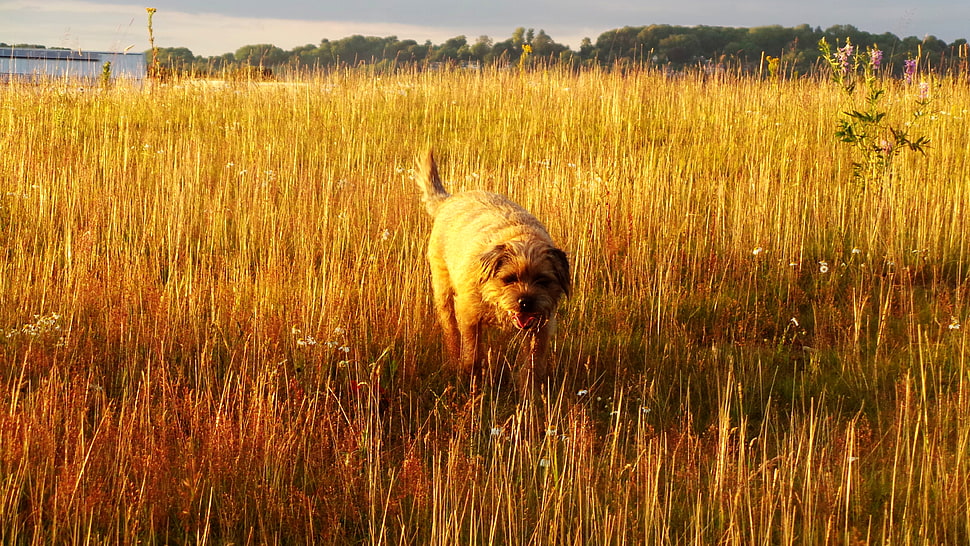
29, 64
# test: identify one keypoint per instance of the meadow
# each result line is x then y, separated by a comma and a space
216, 323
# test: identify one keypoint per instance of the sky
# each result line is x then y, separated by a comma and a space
216, 27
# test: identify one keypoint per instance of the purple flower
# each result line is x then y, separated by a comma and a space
842, 56
909, 69
875, 56
924, 90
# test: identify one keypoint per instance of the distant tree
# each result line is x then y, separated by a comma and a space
511, 50
933, 44
624, 43
304, 56
352, 49
222, 61
505, 51
838, 34
366, 49
481, 50
261, 55
518, 37
418, 52
772, 39
32, 46
324, 54
586, 49
680, 48
453, 49
544, 46
176, 59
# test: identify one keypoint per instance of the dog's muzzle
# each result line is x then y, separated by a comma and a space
526, 317
525, 321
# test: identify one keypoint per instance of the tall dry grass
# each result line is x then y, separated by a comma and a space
216, 325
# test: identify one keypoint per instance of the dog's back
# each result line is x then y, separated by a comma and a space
433, 192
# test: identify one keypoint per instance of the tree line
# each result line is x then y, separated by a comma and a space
674, 47
378, 52
661, 46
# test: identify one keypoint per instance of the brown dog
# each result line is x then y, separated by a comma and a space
492, 264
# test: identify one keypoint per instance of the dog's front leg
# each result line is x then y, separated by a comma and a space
471, 347
469, 322
444, 302
449, 327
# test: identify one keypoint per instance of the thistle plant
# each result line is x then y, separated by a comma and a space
876, 141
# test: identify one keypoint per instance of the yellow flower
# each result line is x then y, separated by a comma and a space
772, 64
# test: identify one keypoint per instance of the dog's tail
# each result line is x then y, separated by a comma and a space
432, 191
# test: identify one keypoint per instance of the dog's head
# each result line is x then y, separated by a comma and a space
523, 281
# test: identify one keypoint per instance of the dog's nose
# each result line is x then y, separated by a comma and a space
526, 305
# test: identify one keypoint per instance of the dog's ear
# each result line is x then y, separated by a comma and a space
493, 260
561, 266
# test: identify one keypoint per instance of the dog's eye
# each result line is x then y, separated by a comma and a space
510, 279
544, 281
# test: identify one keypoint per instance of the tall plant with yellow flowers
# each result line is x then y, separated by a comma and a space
153, 69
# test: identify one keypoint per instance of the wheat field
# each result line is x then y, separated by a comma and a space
216, 326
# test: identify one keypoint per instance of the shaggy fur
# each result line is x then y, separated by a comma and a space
492, 265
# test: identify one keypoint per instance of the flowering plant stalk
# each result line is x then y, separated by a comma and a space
526, 53
153, 69
876, 141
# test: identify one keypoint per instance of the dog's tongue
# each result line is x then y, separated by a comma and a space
524, 320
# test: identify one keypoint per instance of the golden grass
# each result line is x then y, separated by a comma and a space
215, 319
